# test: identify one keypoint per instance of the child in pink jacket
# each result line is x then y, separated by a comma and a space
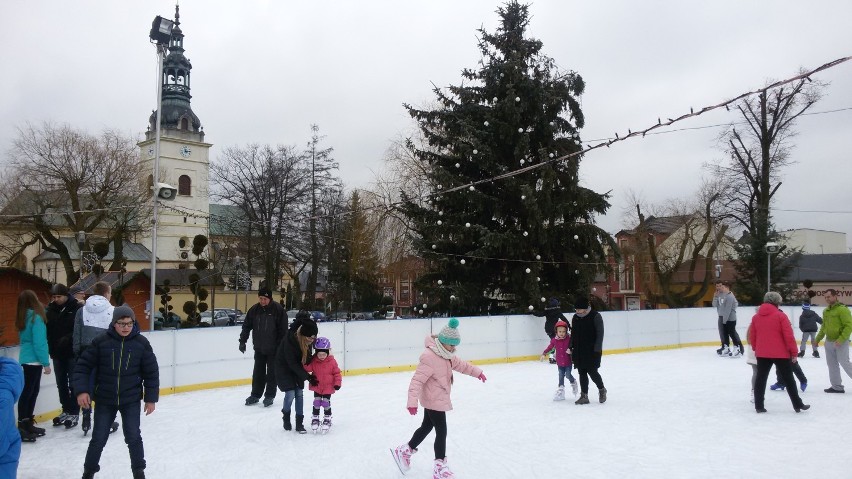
561, 343
431, 386
324, 382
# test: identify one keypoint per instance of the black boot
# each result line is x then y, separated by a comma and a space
287, 425
602, 395
584, 399
23, 429
299, 427
38, 431
138, 473
87, 474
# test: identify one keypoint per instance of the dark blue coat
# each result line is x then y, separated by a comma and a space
122, 367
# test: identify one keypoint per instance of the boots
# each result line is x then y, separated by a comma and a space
442, 470
602, 395
88, 474
38, 431
402, 456
138, 473
23, 429
584, 399
299, 427
801, 353
287, 425
816, 353
315, 423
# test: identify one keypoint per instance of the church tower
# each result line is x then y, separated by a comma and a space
184, 159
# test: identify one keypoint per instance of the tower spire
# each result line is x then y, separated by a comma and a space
177, 14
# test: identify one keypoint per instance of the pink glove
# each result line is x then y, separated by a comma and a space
412, 411
481, 377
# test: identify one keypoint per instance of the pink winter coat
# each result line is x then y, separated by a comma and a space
327, 373
771, 334
433, 379
562, 357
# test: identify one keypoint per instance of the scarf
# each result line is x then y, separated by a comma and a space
440, 350
583, 315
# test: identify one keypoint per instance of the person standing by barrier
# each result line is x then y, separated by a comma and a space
11, 386
34, 358
771, 336
726, 308
836, 328
809, 323
587, 348
267, 323
61, 312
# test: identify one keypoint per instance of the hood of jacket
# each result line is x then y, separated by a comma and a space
767, 309
97, 312
11, 376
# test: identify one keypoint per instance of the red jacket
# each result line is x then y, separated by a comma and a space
772, 334
327, 373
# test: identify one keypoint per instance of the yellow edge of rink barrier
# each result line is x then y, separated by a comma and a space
390, 369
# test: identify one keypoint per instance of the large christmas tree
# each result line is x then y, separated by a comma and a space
506, 243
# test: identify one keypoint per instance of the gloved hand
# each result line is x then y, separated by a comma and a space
543, 358
412, 411
481, 377
337, 388
242, 347
312, 380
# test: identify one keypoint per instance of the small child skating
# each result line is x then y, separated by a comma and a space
328, 380
809, 323
561, 343
431, 386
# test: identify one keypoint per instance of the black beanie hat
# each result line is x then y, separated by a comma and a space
581, 302
308, 327
265, 292
59, 289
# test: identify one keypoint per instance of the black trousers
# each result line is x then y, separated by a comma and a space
432, 419
730, 331
29, 395
784, 367
63, 368
263, 375
797, 371
585, 374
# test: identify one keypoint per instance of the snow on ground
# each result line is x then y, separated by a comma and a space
681, 413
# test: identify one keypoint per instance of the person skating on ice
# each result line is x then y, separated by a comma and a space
324, 368
726, 308
431, 387
809, 323
587, 347
561, 344
293, 354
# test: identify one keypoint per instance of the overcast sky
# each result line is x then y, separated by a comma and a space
264, 71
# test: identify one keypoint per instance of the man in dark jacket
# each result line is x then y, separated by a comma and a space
587, 348
267, 323
809, 322
126, 371
61, 312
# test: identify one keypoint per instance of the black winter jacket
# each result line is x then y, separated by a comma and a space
552, 315
267, 326
807, 321
123, 367
290, 374
587, 340
60, 328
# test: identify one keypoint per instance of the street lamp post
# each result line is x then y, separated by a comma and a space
771, 248
81, 243
160, 35
237, 263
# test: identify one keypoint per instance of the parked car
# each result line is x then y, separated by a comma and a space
291, 314
234, 315
173, 321
362, 315
319, 316
216, 318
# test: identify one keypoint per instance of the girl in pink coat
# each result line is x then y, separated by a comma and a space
324, 382
431, 386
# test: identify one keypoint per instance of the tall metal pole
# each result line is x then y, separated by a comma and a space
768, 269
161, 49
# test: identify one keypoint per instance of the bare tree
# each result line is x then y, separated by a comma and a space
59, 180
756, 155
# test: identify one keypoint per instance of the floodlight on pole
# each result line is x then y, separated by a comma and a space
161, 34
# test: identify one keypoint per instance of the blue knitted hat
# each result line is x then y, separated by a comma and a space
450, 333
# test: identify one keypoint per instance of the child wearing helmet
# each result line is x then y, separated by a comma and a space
561, 343
431, 386
327, 381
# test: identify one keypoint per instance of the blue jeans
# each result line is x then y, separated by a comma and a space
288, 401
104, 416
565, 372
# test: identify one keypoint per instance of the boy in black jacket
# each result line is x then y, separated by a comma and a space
809, 324
126, 372
60, 326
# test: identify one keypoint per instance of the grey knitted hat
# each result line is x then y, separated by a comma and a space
123, 311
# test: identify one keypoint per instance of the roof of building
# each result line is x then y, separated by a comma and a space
227, 220
132, 251
822, 268
176, 277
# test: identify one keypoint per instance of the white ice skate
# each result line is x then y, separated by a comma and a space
402, 457
326, 424
442, 470
560, 394
315, 424
574, 388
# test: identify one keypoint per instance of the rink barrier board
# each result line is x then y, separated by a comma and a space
208, 358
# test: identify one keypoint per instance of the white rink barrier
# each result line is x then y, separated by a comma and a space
202, 358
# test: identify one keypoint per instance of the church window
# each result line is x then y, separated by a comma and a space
184, 185
184, 124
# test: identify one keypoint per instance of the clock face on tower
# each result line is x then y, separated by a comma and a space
150, 152
185, 151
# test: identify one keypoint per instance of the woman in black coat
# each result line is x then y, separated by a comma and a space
293, 353
587, 347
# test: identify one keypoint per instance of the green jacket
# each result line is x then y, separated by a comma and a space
837, 323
